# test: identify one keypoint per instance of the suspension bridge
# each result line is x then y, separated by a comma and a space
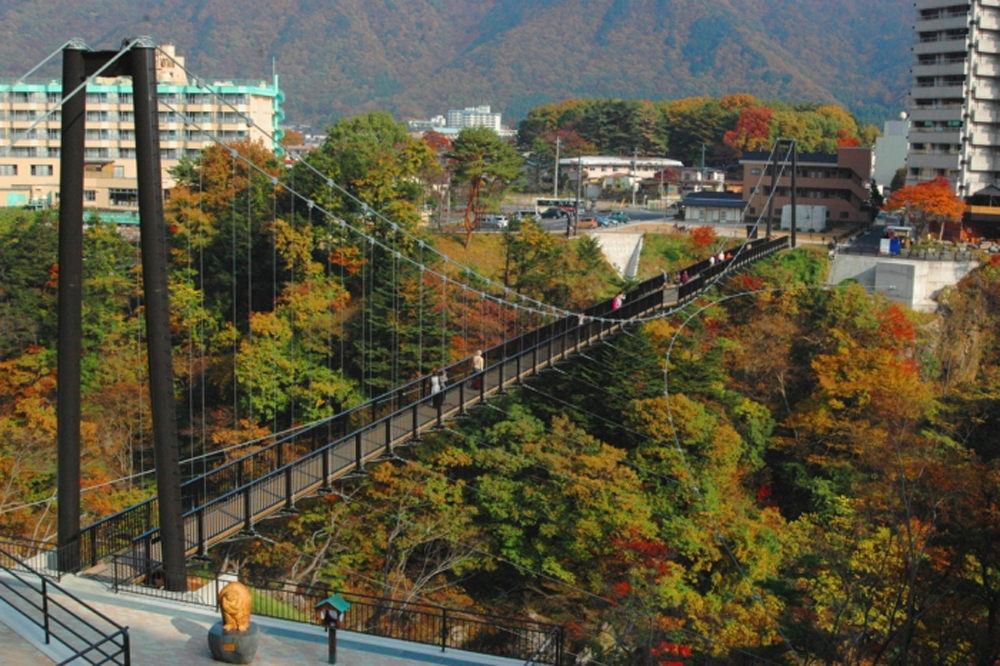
519, 337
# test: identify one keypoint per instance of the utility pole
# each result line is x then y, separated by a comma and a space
663, 199
555, 185
579, 186
635, 156
702, 167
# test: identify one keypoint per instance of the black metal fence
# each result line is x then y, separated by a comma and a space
90, 636
912, 253
40, 556
444, 627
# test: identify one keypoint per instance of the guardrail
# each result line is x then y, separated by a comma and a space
430, 624
913, 253
87, 633
232, 497
40, 556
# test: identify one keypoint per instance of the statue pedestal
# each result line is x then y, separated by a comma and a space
233, 647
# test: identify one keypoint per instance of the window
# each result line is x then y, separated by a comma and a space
755, 172
90, 195
8, 169
123, 197
41, 169
119, 172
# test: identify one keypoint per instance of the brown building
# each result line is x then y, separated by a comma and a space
840, 182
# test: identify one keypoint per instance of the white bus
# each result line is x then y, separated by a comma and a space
542, 204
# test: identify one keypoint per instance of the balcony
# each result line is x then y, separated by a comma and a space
939, 69
932, 161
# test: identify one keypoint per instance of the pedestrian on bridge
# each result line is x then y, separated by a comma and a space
438, 380
478, 363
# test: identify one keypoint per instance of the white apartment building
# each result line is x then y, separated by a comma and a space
954, 104
29, 165
476, 116
612, 171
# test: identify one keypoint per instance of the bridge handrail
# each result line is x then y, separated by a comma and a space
32, 597
118, 531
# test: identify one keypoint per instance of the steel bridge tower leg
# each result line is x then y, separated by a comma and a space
78, 64
70, 308
153, 239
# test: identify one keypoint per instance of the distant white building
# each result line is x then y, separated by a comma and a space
619, 172
890, 151
437, 123
459, 119
476, 116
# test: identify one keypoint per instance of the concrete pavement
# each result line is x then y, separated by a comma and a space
164, 633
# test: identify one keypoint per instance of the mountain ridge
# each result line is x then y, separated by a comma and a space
419, 58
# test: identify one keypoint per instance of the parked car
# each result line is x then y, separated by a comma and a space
619, 217
604, 221
554, 213
494, 222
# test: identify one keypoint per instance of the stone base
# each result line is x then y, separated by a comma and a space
233, 647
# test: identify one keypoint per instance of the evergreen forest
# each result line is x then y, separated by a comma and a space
781, 472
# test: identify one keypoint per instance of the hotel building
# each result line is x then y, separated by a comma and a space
190, 114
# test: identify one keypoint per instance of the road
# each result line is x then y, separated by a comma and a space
636, 215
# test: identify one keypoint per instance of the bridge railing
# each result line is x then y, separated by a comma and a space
430, 624
89, 635
235, 494
707, 270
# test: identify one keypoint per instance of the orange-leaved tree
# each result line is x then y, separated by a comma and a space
924, 203
752, 131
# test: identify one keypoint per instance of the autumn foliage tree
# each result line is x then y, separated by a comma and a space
752, 131
932, 203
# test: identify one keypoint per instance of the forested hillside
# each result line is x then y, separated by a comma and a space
420, 58
783, 471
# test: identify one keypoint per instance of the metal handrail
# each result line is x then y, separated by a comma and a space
556, 636
419, 622
31, 594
